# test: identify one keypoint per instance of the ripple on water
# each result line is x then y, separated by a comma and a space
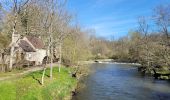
122, 82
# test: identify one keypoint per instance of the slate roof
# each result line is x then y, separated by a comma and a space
26, 46
36, 42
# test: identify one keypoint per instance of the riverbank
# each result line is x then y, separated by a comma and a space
28, 87
161, 73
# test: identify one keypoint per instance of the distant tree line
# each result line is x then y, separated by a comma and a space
149, 44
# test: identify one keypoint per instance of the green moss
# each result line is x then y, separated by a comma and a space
28, 87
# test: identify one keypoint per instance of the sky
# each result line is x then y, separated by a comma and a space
112, 18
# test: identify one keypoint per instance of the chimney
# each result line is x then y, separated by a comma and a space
16, 37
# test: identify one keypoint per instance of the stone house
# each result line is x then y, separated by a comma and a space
28, 48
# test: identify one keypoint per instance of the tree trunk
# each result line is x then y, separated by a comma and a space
11, 58
51, 53
12, 46
51, 62
42, 79
60, 59
44, 69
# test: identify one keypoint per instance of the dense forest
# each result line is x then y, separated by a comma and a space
148, 44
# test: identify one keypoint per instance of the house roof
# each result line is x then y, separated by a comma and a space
26, 46
36, 42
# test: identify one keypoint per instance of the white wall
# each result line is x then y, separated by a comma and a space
37, 56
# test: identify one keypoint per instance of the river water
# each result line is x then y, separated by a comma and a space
121, 82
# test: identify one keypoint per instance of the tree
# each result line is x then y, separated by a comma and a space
17, 6
144, 30
162, 19
135, 46
75, 47
57, 23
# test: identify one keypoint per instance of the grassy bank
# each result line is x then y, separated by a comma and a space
28, 87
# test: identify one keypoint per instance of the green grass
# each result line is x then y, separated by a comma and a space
29, 88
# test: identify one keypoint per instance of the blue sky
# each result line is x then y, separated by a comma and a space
111, 18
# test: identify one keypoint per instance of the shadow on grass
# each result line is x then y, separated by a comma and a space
39, 81
47, 75
36, 79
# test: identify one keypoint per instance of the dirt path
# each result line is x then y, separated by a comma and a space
26, 71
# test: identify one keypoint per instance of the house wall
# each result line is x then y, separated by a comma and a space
5, 60
37, 56
16, 56
1, 58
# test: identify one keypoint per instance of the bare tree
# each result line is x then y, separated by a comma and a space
17, 6
144, 29
162, 18
53, 22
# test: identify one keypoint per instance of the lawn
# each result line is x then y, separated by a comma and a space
28, 87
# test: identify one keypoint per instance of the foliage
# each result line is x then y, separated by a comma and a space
75, 49
4, 41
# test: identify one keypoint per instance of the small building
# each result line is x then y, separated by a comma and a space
29, 49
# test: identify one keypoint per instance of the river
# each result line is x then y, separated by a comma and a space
121, 82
